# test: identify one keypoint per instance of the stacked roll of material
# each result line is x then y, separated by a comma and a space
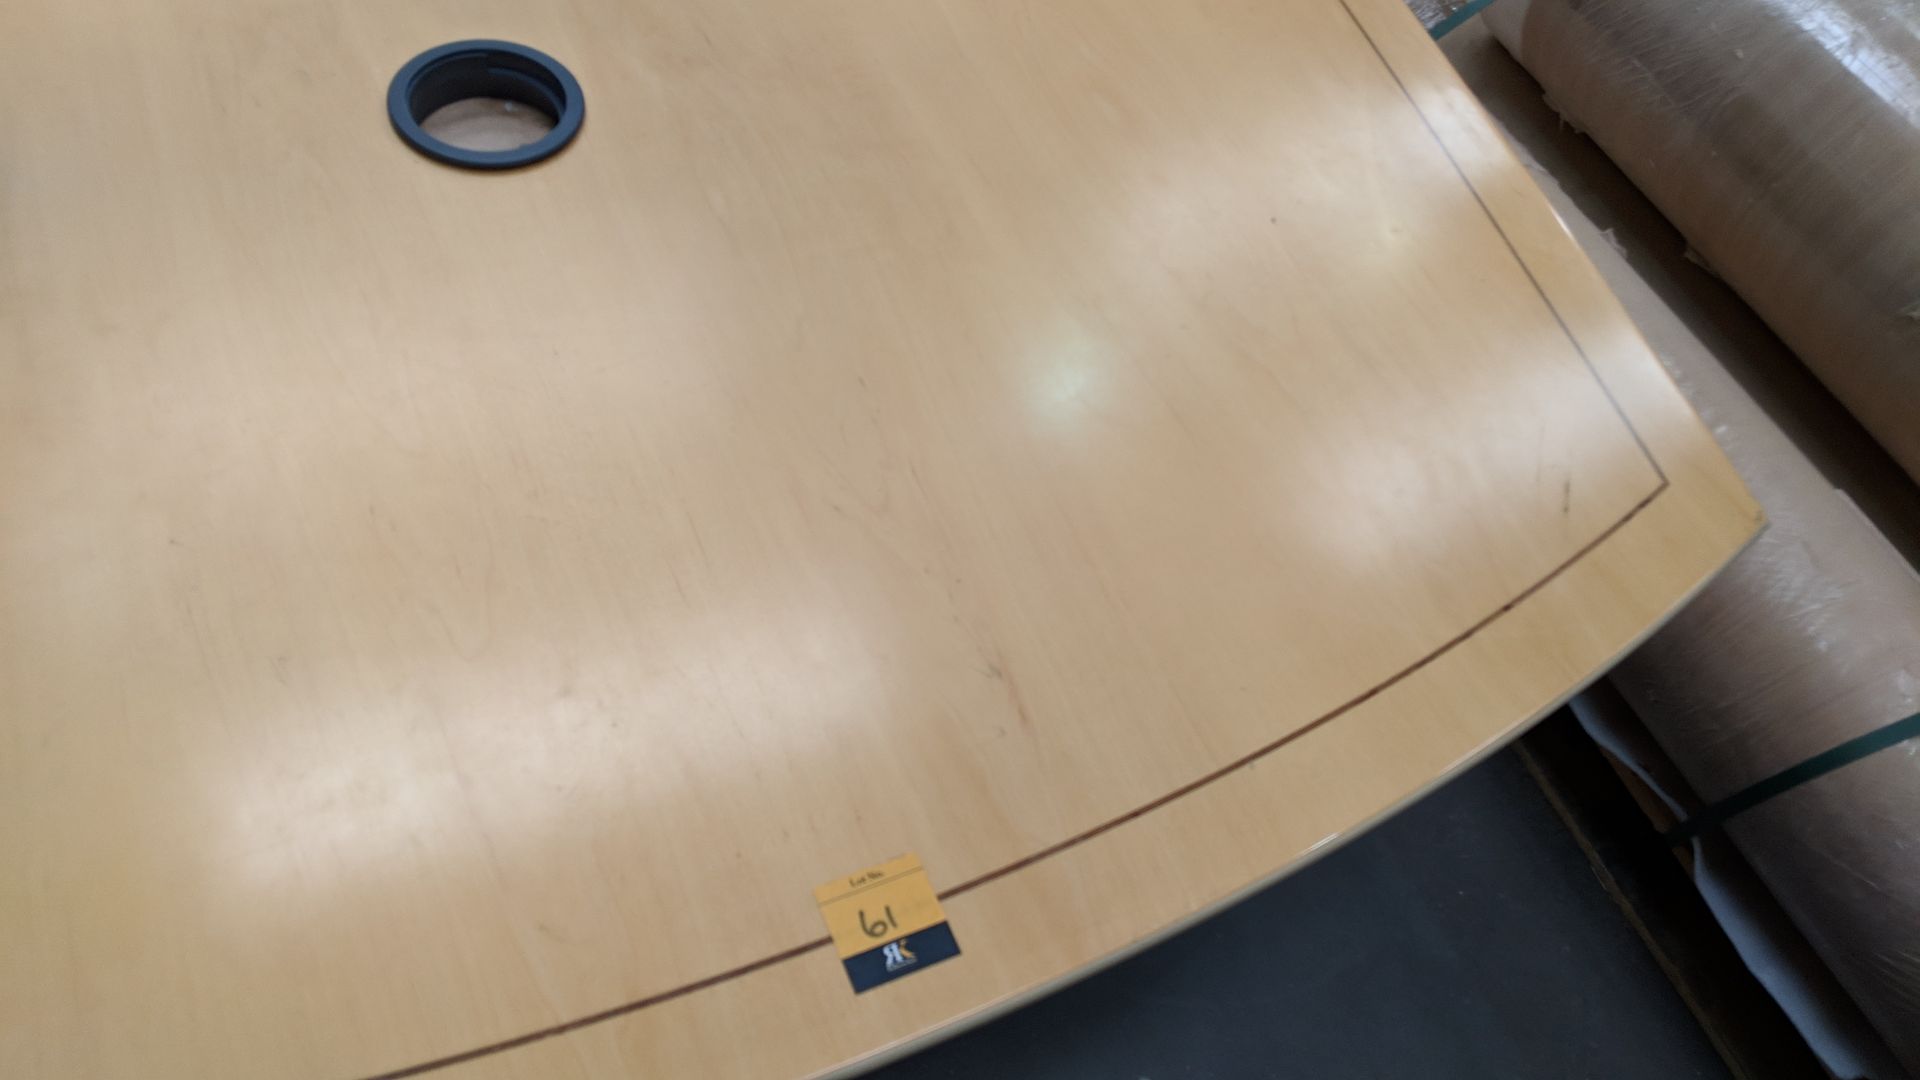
1782, 137
1810, 639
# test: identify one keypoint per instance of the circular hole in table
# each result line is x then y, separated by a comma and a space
485, 105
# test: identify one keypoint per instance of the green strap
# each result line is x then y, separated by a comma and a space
1814, 767
1452, 22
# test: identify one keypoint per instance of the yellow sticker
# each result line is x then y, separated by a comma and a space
885, 921
867, 909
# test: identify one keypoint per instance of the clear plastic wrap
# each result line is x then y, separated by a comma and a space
1782, 137
1810, 638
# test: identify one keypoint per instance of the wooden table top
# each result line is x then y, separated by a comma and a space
451, 621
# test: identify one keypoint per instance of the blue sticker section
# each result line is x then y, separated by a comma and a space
921, 949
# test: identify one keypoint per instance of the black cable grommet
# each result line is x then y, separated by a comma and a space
495, 69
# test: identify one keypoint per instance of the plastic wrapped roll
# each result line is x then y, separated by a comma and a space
1782, 137
1810, 638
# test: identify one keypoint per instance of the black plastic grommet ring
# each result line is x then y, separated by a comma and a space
495, 69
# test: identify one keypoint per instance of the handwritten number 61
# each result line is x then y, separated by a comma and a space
879, 927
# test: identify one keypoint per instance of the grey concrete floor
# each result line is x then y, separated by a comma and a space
1466, 937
